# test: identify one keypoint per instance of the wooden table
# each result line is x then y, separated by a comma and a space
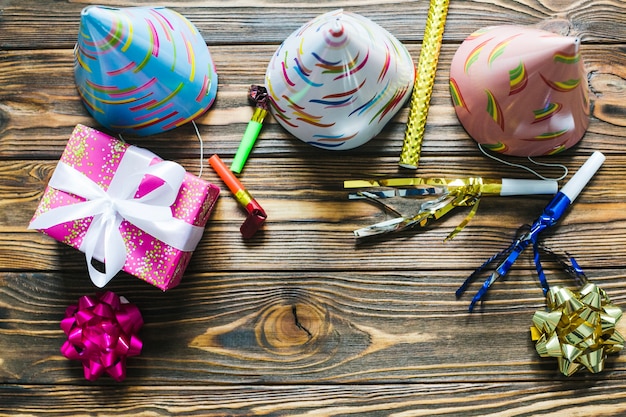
381, 332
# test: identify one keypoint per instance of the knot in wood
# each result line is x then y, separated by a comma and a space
291, 329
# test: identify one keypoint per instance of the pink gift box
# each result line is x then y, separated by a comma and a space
98, 156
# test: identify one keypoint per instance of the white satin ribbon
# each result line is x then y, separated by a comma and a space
151, 213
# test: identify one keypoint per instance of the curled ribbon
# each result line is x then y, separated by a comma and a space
101, 333
150, 212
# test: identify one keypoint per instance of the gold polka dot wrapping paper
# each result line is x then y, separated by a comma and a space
143, 215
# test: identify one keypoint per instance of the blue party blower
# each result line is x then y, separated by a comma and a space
551, 214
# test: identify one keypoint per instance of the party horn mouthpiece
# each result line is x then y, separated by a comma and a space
256, 214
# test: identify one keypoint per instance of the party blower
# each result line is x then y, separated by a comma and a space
257, 94
256, 214
428, 199
550, 216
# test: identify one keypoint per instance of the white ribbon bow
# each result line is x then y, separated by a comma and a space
151, 213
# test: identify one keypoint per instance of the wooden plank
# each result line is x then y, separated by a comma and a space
240, 328
311, 216
398, 400
37, 116
28, 24
596, 248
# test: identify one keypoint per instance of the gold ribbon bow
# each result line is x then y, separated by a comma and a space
578, 328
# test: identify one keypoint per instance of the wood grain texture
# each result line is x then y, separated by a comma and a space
301, 320
355, 327
397, 400
246, 22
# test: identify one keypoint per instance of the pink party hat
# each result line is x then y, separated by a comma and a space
520, 91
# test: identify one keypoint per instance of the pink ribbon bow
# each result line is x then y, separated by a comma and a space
101, 333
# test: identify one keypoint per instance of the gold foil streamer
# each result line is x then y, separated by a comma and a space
578, 328
447, 194
425, 78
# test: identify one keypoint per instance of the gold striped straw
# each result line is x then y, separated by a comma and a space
424, 80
